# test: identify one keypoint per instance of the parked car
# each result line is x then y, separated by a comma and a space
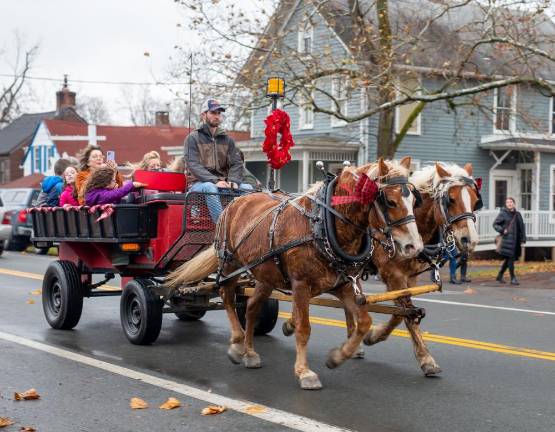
5, 225
15, 202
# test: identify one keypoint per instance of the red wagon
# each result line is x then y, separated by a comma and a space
141, 241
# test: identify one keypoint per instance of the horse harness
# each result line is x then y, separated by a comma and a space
322, 216
435, 254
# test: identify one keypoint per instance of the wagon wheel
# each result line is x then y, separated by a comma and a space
266, 319
62, 295
140, 312
190, 315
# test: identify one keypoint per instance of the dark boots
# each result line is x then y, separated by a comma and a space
499, 278
514, 280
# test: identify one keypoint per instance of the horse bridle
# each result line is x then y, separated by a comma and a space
444, 202
383, 206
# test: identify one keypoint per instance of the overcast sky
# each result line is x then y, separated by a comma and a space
100, 40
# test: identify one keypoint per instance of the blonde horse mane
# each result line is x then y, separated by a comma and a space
427, 180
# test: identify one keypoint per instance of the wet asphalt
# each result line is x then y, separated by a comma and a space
479, 389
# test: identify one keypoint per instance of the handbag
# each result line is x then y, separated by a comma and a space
499, 237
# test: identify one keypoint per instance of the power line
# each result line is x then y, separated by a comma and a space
138, 83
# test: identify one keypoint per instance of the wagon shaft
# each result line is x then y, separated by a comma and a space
371, 299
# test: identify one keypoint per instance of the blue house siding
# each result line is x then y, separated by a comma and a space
323, 41
532, 111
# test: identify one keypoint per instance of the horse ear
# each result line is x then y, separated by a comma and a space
441, 171
383, 169
468, 169
405, 162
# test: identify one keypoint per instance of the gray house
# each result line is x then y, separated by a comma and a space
511, 143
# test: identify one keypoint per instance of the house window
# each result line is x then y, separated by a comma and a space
36, 159
526, 189
50, 157
306, 113
402, 112
305, 38
339, 101
504, 109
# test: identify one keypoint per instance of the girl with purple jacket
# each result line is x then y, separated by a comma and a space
102, 187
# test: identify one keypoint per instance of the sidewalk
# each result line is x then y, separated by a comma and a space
536, 275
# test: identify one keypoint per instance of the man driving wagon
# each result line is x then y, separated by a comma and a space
212, 160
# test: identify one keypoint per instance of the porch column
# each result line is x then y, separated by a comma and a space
306, 170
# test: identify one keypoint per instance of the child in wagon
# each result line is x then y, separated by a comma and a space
102, 187
69, 194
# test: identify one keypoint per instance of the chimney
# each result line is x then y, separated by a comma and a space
162, 118
65, 98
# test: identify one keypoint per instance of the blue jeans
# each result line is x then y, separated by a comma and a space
213, 201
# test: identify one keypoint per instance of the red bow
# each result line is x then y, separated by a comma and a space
366, 191
478, 183
106, 209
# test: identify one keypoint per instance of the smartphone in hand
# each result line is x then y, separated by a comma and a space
110, 155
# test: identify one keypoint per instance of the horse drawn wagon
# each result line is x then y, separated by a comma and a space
269, 246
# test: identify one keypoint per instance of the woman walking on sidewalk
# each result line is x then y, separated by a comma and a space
510, 226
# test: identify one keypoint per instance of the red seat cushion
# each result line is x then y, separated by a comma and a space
161, 180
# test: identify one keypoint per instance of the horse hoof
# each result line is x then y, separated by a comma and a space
431, 369
287, 328
234, 355
310, 381
252, 361
335, 358
359, 353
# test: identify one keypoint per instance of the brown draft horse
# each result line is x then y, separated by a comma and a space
433, 182
244, 228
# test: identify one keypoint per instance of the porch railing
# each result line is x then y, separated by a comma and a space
540, 226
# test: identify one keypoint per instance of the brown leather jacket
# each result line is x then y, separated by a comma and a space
212, 158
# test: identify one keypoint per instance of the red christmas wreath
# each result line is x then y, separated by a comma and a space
278, 122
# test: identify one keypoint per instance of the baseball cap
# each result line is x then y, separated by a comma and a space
212, 104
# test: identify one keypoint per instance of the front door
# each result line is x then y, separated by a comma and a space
503, 187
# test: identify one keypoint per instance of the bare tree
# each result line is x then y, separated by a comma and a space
139, 104
93, 109
396, 53
13, 87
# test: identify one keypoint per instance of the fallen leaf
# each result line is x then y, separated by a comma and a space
30, 301
5, 421
255, 409
519, 299
30, 394
27, 429
137, 403
146, 54
171, 403
212, 410
36, 292
470, 291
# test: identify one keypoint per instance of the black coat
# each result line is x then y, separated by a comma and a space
516, 235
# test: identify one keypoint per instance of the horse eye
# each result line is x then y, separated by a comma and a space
391, 204
451, 200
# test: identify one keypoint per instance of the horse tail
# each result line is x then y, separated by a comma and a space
193, 270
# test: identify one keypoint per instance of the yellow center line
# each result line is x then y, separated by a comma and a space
429, 337
447, 340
